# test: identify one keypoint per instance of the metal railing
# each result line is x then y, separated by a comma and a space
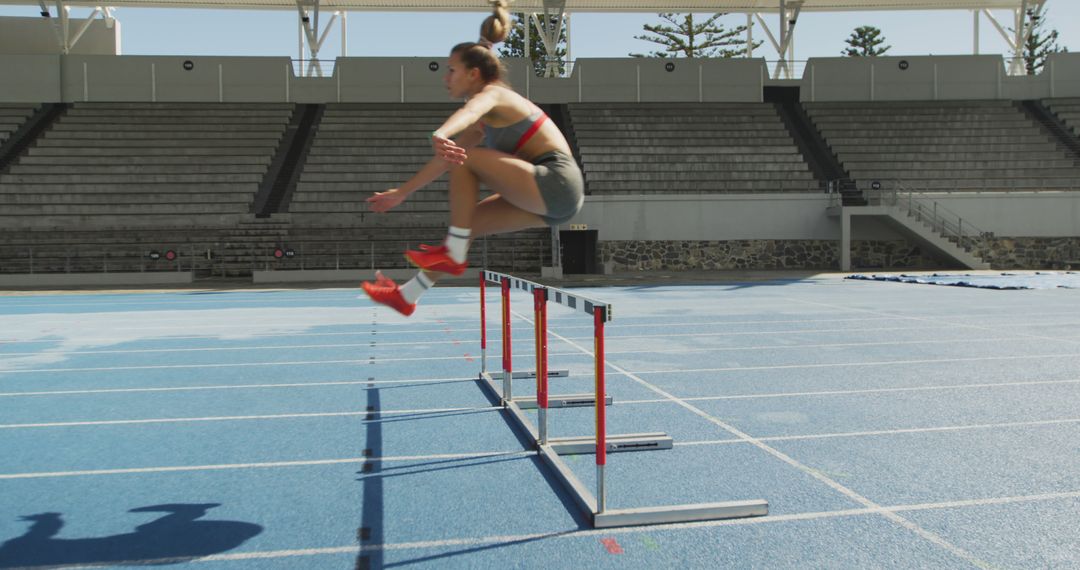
941, 220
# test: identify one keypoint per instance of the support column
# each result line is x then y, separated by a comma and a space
845, 241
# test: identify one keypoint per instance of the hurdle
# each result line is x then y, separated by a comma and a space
550, 449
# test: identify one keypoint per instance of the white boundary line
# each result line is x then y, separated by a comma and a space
423, 344
243, 418
571, 534
440, 327
264, 465
238, 387
464, 357
730, 441
421, 381
898, 431
829, 482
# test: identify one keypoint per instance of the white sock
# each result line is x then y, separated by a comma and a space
416, 286
457, 242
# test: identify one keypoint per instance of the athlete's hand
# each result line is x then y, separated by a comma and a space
447, 149
383, 201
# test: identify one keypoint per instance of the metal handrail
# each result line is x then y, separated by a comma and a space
941, 219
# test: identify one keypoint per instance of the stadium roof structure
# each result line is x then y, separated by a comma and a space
741, 6
549, 27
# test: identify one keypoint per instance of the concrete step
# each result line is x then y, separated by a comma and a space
683, 176
260, 145
122, 200
690, 187
719, 160
931, 132
944, 164
136, 169
132, 151
151, 161
193, 136
361, 188
173, 209
970, 174
9, 188
946, 139
1013, 154
724, 171
595, 147
129, 179
689, 135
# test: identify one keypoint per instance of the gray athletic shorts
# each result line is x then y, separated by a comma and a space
561, 186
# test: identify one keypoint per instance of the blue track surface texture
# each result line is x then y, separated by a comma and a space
888, 426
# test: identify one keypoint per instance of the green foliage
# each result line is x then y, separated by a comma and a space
1041, 43
683, 37
864, 42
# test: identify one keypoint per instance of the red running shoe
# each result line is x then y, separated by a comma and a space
431, 258
386, 292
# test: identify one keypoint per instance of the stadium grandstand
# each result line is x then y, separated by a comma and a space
157, 169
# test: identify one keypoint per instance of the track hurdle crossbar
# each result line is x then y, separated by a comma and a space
601, 444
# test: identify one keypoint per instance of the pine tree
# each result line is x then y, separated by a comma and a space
514, 46
685, 38
864, 42
1040, 43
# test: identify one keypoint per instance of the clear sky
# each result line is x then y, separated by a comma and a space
245, 32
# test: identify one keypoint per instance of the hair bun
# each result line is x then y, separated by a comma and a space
496, 26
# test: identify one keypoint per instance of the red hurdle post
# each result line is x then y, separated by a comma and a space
599, 314
540, 321
483, 324
508, 365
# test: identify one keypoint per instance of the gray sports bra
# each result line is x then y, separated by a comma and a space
511, 138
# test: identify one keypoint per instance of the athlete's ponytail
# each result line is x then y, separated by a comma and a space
481, 55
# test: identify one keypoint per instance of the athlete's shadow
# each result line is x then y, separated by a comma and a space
172, 539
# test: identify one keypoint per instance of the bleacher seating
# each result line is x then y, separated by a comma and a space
141, 164
685, 148
1068, 110
962, 145
12, 117
361, 149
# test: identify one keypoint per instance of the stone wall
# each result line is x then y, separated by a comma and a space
1032, 253
1002, 253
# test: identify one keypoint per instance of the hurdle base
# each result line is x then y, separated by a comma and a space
529, 374
680, 513
615, 443
562, 401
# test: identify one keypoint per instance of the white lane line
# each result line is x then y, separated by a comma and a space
570, 534
368, 344
245, 418
384, 330
469, 358
854, 392
237, 387
898, 431
829, 482
464, 380
422, 345
846, 364
266, 465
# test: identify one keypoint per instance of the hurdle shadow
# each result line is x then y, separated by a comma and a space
174, 538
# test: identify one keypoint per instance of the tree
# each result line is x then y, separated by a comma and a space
686, 38
864, 42
514, 45
1040, 44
